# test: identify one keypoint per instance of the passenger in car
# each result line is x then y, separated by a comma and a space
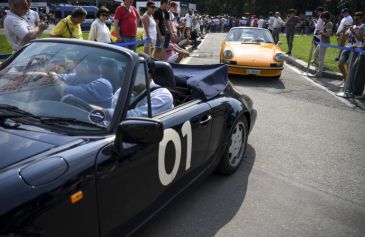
161, 100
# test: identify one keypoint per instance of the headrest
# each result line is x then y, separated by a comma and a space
162, 74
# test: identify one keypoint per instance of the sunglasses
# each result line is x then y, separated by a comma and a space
105, 15
152, 7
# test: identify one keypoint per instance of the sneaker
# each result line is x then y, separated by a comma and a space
288, 53
341, 84
318, 74
337, 59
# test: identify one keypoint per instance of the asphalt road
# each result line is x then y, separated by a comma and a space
304, 171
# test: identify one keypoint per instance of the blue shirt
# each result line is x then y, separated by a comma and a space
98, 92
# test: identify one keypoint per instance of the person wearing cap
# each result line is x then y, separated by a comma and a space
86, 83
346, 21
70, 27
19, 31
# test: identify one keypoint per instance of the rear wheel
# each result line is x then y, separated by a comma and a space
236, 147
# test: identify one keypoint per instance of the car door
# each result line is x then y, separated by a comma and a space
135, 183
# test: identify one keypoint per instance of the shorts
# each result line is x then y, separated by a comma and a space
345, 54
151, 44
160, 44
167, 41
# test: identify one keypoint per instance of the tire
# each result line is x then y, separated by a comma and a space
236, 147
277, 77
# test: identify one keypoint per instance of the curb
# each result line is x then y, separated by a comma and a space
300, 64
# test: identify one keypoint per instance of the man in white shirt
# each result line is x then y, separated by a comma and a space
346, 21
18, 31
31, 16
188, 19
260, 23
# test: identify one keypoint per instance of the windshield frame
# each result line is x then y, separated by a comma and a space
265, 31
131, 57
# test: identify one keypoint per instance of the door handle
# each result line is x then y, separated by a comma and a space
206, 119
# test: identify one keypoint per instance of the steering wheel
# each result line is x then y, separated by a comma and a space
75, 101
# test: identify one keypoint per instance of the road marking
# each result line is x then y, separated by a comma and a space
299, 72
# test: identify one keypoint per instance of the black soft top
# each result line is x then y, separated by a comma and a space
205, 81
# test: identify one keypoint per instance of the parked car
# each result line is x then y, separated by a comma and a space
251, 51
77, 167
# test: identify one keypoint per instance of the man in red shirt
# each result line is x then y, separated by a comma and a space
126, 20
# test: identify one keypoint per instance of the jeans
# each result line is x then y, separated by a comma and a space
357, 75
289, 40
126, 39
275, 35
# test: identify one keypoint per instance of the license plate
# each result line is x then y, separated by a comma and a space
253, 71
237, 70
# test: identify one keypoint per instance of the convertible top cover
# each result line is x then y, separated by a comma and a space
205, 81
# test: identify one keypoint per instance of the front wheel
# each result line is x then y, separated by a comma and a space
236, 147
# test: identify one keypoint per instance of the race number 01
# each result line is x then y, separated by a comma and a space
170, 135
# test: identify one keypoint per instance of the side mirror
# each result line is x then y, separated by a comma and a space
279, 43
139, 130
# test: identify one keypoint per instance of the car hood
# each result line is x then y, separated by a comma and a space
253, 54
17, 145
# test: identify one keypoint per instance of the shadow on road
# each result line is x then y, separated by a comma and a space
254, 81
206, 207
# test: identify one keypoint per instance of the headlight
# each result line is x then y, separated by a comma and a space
279, 57
228, 53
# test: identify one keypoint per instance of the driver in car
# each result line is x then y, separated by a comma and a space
85, 83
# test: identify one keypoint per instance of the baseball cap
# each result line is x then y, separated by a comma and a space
345, 10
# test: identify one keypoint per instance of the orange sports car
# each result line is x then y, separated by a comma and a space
251, 51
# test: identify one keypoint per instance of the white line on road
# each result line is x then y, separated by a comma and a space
346, 102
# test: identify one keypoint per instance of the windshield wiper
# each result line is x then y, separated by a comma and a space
15, 112
67, 121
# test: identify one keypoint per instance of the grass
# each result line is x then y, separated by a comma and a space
301, 49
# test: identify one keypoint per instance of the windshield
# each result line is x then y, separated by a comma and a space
250, 35
74, 84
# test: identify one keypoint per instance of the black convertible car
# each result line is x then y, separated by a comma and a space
83, 165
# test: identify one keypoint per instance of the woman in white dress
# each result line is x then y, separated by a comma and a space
150, 30
99, 31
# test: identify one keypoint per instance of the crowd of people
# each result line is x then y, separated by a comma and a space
167, 34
